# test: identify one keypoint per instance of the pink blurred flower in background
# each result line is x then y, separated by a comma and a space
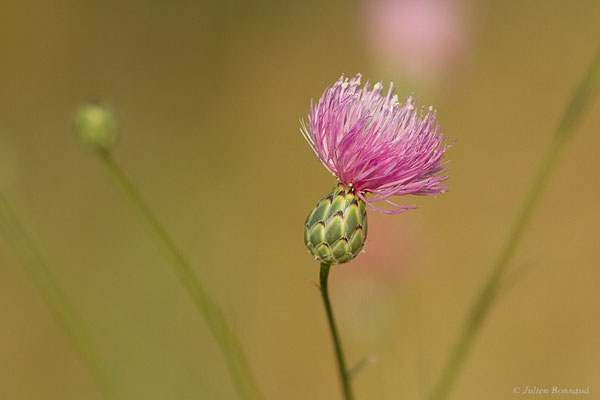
424, 39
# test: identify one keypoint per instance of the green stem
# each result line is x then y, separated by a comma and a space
55, 298
489, 291
337, 344
213, 315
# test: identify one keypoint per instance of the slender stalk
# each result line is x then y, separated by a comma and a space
337, 344
55, 298
488, 294
211, 312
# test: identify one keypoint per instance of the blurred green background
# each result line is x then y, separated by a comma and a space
209, 94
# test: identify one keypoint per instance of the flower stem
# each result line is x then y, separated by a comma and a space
337, 344
55, 298
489, 291
214, 317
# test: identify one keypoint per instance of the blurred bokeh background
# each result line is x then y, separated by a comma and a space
209, 94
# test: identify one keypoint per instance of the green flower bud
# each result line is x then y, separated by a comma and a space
96, 126
336, 229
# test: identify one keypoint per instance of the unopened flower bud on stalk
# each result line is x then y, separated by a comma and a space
96, 126
336, 229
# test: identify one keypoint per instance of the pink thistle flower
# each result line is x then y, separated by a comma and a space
374, 144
